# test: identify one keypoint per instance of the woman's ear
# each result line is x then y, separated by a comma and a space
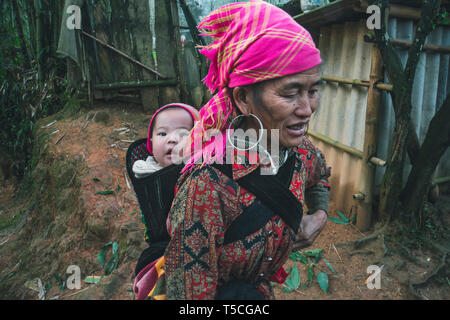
242, 99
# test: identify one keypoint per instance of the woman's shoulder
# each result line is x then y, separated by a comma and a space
307, 148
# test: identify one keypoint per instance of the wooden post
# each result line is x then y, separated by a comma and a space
180, 66
366, 184
166, 50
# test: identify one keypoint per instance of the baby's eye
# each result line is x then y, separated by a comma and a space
162, 134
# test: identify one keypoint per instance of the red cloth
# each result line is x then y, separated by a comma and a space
280, 276
145, 281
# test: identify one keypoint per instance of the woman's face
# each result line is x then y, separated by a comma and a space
170, 130
287, 104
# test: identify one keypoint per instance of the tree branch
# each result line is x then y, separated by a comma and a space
426, 24
437, 141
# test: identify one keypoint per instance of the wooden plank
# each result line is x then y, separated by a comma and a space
367, 175
166, 50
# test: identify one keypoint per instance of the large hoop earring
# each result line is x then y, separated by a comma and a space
261, 133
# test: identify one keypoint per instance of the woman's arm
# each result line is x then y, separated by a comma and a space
316, 197
196, 239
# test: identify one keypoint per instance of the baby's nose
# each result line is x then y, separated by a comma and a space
173, 138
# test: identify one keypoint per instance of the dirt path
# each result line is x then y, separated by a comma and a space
70, 225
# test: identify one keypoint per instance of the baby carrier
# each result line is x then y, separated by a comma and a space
155, 194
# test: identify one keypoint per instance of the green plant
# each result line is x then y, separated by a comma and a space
311, 259
112, 264
343, 219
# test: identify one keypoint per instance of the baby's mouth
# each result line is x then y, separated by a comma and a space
169, 152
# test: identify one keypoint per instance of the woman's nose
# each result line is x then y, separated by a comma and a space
304, 108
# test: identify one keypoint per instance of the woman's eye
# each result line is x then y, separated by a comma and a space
313, 92
290, 95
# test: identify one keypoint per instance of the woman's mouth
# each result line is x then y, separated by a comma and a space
298, 129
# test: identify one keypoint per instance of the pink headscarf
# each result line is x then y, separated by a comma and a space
253, 41
192, 111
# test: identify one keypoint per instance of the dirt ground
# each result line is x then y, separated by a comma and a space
70, 225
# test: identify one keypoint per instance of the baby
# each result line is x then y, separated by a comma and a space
168, 129
167, 132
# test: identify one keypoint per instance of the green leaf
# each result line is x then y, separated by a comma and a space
95, 179
342, 216
48, 285
293, 280
112, 264
60, 280
313, 253
329, 265
287, 289
318, 257
9, 275
118, 188
105, 193
310, 275
133, 212
298, 256
115, 247
93, 279
322, 279
287, 283
335, 220
102, 255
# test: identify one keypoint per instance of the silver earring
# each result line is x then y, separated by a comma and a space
261, 133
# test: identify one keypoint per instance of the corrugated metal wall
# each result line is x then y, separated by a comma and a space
431, 86
342, 109
341, 113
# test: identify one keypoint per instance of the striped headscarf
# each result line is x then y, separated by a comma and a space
253, 41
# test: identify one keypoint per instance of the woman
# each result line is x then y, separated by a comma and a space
265, 70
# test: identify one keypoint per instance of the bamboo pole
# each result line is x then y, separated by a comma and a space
122, 54
407, 44
367, 175
427, 47
137, 84
357, 82
405, 12
441, 180
354, 152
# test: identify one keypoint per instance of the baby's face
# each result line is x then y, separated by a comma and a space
170, 129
